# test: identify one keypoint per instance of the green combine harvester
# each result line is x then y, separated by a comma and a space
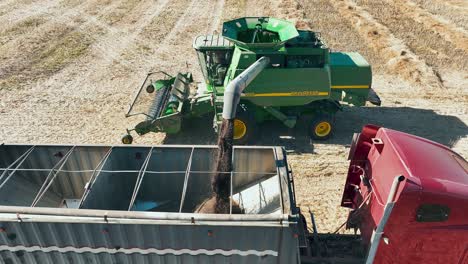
303, 80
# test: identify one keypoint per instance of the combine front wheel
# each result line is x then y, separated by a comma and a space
322, 127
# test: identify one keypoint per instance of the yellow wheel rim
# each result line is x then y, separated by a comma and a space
240, 129
127, 140
323, 129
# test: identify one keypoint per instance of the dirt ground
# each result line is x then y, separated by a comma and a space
69, 68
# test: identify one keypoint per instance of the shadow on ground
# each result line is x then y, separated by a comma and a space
444, 129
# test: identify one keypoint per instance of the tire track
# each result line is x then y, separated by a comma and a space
8, 6
262, 8
84, 94
453, 34
233, 9
174, 49
105, 50
100, 83
181, 22
452, 11
52, 29
401, 60
338, 33
25, 26
113, 44
55, 43
435, 43
34, 9
217, 14
120, 12
168, 41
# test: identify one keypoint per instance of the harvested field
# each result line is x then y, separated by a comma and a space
69, 69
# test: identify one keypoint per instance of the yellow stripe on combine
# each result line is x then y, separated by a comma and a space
350, 86
303, 93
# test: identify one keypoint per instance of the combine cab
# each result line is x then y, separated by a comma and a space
304, 80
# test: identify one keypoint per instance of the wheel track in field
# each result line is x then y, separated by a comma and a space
456, 35
338, 33
72, 27
90, 21
38, 8
117, 39
233, 9
9, 6
106, 50
401, 60
218, 13
79, 100
113, 97
439, 45
194, 20
60, 26
178, 41
20, 53
452, 33
180, 22
455, 13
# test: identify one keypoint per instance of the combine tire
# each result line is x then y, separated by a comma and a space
127, 139
150, 88
244, 128
322, 126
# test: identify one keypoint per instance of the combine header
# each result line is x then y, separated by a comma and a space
122, 204
303, 80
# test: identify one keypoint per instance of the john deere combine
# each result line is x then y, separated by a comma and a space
303, 79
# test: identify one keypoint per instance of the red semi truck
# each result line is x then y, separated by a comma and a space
409, 198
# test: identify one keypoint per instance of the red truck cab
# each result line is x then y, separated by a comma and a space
409, 197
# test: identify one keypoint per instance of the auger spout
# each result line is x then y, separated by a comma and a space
234, 89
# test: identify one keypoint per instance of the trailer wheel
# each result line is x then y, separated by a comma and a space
322, 127
127, 139
244, 128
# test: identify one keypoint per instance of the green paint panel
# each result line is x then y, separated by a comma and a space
259, 32
351, 70
309, 84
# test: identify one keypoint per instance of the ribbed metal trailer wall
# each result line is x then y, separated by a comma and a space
39, 182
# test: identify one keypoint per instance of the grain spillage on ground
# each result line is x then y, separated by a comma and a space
70, 67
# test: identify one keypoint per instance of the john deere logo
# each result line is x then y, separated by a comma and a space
306, 93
